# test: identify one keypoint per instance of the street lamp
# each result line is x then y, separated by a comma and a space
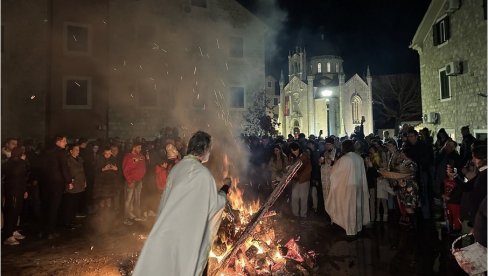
326, 92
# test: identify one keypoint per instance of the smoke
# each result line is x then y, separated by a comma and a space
275, 18
175, 64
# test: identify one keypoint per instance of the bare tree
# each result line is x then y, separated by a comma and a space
397, 97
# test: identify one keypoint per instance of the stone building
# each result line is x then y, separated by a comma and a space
451, 42
317, 97
127, 68
187, 63
273, 96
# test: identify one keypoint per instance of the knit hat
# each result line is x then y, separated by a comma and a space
171, 151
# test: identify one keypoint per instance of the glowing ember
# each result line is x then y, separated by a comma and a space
260, 254
141, 237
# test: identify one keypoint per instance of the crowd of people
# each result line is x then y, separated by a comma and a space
48, 187
353, 180
362, 179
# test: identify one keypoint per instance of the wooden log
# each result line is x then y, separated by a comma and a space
261, 212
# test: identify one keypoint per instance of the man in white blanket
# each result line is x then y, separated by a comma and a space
188, 218
348, 200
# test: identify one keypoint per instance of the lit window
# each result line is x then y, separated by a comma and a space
77, 93
328, 67
356, 109
444, 84
319, 67
237, 97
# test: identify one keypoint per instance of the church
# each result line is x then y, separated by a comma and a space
318, 98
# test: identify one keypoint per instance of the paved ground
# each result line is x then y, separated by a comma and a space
383, 249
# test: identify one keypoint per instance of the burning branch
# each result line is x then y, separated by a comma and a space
258, 216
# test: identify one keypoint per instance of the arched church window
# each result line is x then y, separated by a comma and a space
296, 68
328, 67
319, 67
356, 109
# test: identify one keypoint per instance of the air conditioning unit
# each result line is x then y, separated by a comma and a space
453, 5
454, 68
431, 118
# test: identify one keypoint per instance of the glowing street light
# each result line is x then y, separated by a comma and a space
326, 92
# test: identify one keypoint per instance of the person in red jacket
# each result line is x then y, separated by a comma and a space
134, 169
452, 198
161, 170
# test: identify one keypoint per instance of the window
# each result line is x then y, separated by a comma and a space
77, 93
77, 38
237, 97
484, 9
147, 93
270, 84
199, 3
444, 84
275, 101
319, 67
236, 47
337, 67
286, 111
441, 31
356, 109
480, 134
3, 37
328, 67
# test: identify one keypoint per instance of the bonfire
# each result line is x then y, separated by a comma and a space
246, 243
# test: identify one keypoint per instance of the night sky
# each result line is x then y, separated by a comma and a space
364, 32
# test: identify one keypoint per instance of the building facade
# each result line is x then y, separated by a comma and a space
317, 97
451, 43
127, 68
272, 96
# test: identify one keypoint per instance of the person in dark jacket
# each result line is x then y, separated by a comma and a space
71, 198
315, 183
446, 156
479, 229
15, 191
58, 180
104, 188
106, 179
422, 155
468, 140
476, 184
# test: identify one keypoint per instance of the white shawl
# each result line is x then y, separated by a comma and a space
348, 200
187, 223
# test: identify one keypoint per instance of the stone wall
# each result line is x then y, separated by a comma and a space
25, 26
188, 63
467, 44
